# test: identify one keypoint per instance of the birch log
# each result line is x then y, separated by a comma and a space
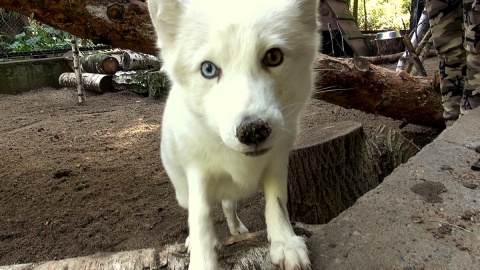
100, 63
94, 82
158, 84
143, 82
138, 61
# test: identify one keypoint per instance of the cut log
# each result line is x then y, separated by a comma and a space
138, 61
379, 91
142, 82
100, 63
133, 81
94, 82
117, 54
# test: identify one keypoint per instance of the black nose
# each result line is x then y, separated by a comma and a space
253, 131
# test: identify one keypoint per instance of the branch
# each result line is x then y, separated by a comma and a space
379, 91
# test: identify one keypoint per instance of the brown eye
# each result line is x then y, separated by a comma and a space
273, 57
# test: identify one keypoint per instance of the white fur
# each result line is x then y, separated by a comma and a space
199, 148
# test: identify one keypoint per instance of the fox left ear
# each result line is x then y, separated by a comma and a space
308, 11
166, 16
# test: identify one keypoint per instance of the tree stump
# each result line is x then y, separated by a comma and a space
333, 165
329, 170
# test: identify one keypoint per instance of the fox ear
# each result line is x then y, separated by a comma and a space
166, 15
308, 11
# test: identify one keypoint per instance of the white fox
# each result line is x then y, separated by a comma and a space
241, 74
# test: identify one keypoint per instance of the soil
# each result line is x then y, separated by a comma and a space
78, 180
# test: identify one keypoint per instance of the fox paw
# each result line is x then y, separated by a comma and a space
291, 254
238, 228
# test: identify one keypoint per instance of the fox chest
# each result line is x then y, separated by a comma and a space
237, 180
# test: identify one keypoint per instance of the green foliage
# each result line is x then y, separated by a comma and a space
41, 37
383, 14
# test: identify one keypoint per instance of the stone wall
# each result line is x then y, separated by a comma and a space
25, 75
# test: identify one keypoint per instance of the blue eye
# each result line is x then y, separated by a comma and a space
209, 70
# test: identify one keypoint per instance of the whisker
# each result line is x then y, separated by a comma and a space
331, 89
289, 113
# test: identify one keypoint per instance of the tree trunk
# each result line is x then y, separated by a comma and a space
94, 82
378, 90
122, 24
100, 63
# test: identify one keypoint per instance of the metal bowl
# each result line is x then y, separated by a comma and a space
388, 35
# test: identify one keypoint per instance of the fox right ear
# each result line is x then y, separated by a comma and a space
166, 15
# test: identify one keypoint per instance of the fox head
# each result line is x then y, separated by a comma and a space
245, 67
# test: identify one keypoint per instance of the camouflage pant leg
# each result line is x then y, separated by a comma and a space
471, 94
446, 22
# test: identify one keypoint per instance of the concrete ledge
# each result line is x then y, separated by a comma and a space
24, 75
393, 227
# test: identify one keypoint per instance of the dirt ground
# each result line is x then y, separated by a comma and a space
77, 180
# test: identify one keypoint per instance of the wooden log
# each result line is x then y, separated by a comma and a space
94, 82
134, 81
100, 63
379, 91
122, 24
143, 82
117, 54
138, 61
